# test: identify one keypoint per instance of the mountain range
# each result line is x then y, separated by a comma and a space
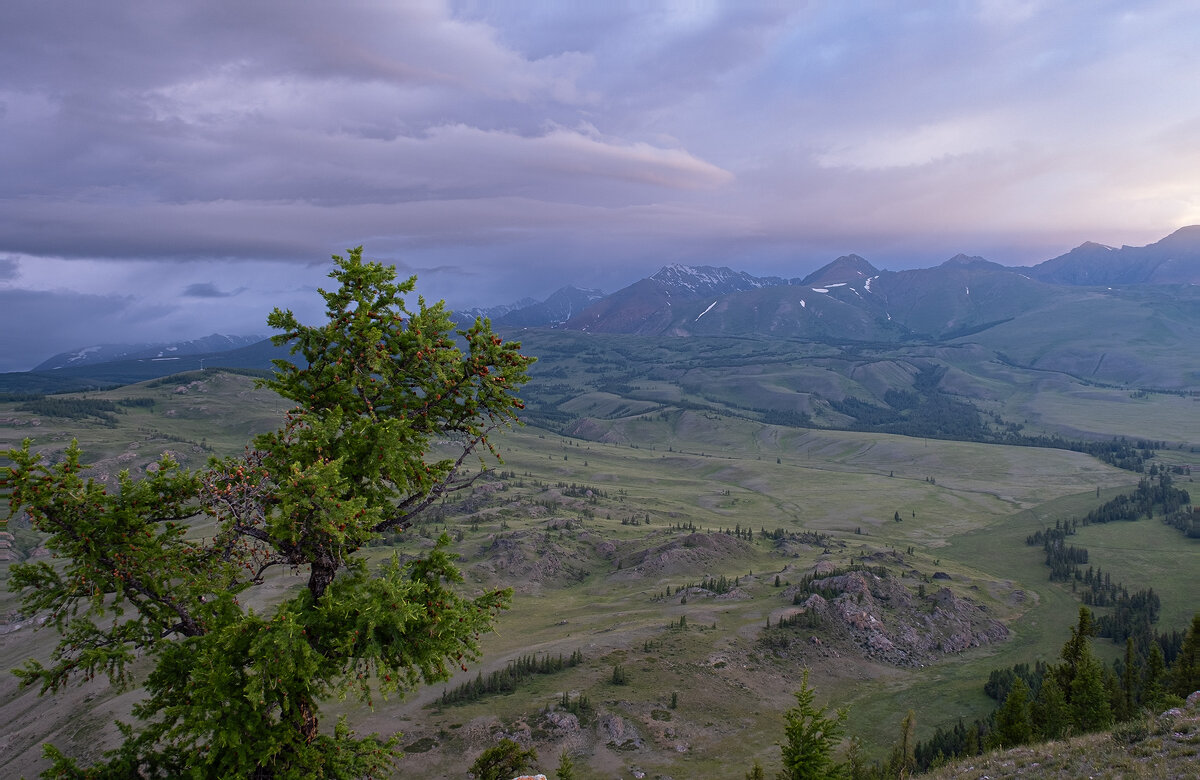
1085, 312
922, 302
109, 353
851, 299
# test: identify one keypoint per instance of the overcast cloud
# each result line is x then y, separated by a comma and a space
176, 169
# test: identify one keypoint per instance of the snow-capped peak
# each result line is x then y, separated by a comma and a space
704, 280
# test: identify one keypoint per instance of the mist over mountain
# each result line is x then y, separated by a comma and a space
495, 312
1173, 260
850, 298
1085, 311
561, 306
108, 353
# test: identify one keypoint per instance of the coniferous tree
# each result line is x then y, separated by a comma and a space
1152, 677
1185, 671
1090, 710
1112, 685
566, 767
1049, 711
857, 767
810, 737
235, 692
503, 760
1076, 649
903, 761
974, 741
1014, 720
1129, 677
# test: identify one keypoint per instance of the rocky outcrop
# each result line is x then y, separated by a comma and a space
618, 733
887, 622
527, 562
7, 553
686, 555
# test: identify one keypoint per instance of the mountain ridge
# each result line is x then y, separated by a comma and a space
848, 299
108, 353
960, 295
1174, 259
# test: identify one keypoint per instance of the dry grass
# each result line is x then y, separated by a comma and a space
1166, 746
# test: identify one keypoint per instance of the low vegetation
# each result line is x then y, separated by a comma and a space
234, 690
689, 537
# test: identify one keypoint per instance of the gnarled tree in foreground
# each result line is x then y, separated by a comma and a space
235, 691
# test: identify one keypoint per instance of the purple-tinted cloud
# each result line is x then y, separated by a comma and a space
206, 290
508, 149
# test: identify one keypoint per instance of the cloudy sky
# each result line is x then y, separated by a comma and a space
173, 169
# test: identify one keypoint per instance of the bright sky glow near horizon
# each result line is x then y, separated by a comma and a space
169, 170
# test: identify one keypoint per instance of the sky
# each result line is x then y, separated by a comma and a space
174, 169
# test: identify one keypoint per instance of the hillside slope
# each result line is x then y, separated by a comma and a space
1166, 746
1173, 260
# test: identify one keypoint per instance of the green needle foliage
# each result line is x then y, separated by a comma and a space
1186, 678
1014, 720
503, 760
235, 691
566, 767
810, 738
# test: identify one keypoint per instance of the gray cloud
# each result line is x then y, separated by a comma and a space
49, 323
206, 290
508, 149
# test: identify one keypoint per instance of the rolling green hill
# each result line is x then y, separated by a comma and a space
725, 480
651, 470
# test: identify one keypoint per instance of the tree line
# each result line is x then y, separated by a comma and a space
73, 408
510, 678
1076, 695
1150, 495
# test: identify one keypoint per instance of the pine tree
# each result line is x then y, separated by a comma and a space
810, 737
903, 761
503, 760
566, 768
1076, 649
756, 772
1185, 671
1152, 677
1129, 677
1090, 710
1014, 720
235, 692
1050, 714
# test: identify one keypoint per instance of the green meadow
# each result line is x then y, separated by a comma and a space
600, 514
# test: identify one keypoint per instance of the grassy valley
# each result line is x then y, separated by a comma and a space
654, 520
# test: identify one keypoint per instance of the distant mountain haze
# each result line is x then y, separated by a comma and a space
108, 353
851, 298
1081, 309
1173, 260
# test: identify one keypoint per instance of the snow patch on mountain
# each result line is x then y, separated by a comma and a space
80, 355
107, 353
704, 280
